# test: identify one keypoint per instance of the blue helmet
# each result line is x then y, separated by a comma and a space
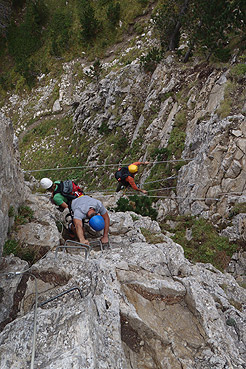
97, 222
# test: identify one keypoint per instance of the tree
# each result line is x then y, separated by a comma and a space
25, 39
59, 29
209, 23
90, 25
168, 22
113, 13
5, 13
206, 23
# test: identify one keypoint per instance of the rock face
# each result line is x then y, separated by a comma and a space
148, 108
138, 112
218, 171
11, 176
138, 305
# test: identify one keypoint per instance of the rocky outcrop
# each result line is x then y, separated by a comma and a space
147, 109
11, 176
42, 231
138, 304
218, 170
140, 111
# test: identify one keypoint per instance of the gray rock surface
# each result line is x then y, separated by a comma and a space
143, 305
12, 192
136, 305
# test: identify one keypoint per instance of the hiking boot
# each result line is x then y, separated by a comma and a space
71, 234
119, 187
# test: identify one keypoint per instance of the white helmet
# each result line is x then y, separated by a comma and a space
46, 183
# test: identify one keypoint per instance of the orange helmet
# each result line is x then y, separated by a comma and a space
133, 168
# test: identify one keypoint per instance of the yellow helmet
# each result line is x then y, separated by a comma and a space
133, 168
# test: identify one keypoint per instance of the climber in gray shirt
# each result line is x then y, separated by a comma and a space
86, 207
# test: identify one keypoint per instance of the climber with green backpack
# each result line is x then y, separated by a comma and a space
63, 192
125, 176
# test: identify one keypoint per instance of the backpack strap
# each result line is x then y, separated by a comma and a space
62, 187
58, 189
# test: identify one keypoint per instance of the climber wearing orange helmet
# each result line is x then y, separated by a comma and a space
125, 176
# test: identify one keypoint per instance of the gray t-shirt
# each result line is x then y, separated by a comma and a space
81, 206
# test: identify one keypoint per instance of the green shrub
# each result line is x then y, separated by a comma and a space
138, 204
222, 54
103, 129
25, 215
206, 245
176, 142
238, 71
121, 143
12, 246
165, 20
60, 27
160, 154
123, 205
90, 25
11, 211
149, 62
95, 70
113, 13
24, 39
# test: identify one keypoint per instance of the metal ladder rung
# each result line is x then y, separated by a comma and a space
81, 246
61, 294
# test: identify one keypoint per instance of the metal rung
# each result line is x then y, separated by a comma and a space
77, 243
100, 243
96, 242
61, 294
82, 247
91, 244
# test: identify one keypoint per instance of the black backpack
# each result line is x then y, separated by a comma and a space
69, 189
122, 173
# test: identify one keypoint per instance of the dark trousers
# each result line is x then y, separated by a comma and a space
119, 186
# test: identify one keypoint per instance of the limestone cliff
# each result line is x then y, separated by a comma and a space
11, 176
140, 304
194, 111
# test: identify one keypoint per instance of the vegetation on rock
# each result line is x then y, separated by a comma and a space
200, 240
